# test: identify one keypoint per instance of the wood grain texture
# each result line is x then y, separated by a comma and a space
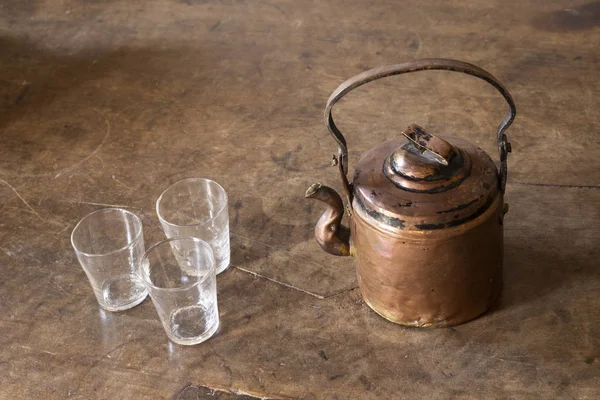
107, 103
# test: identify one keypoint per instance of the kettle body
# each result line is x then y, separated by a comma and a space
425, 216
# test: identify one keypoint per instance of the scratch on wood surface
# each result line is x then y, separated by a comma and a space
287, 285
425, 15
344, 291
198, 389
121, 345
121, 183
42, 351
95, 151
26, 203
555, 185
8, 301
60, 287
243, 393
291, 254
64, 229
513, 361
91, 203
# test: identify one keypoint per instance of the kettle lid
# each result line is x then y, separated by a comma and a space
420, 181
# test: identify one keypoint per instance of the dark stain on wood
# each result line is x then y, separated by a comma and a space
586, 16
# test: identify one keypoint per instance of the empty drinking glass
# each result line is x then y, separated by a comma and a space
109, 244
180, 276
197, 207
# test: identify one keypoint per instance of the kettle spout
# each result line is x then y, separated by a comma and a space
333, 237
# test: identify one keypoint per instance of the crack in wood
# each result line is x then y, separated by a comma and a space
556, 185
342, 292
191, 391
287, 285
29, 207
91, 203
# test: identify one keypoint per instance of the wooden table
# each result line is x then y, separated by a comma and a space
107, 103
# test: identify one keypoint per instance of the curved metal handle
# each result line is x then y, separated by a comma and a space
413, 66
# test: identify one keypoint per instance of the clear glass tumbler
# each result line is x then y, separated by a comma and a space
181, 278
109, 244
197, 207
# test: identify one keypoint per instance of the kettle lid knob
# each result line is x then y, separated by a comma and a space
423, 155
429, 146
425, 162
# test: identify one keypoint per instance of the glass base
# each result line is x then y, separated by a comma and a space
222, 267
121, 293
123, 307
189, 325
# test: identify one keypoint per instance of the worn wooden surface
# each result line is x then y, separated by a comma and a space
108, 102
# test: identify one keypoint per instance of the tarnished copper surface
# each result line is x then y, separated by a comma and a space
426, 215
466, 192
428, 258
429, 278
407, 171
331, 236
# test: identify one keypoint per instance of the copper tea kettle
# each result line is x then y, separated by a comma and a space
425, 215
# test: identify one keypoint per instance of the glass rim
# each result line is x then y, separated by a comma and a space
120, 249
162, 242
221, 210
